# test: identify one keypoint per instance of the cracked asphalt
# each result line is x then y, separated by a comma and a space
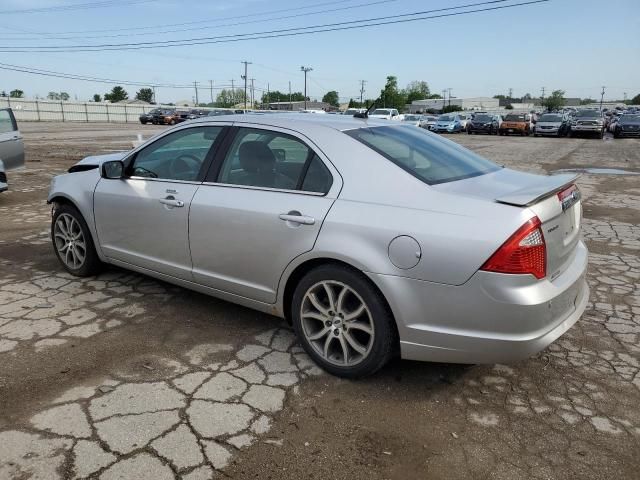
124, 377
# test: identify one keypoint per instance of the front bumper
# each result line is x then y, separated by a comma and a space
491, 318
587, 128
548, 131
628, 133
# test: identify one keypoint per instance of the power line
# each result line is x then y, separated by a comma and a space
75, 6
260, 20
363, 23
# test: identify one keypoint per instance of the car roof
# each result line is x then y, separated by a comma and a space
297, 121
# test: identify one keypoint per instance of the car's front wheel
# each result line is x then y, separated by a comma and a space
72, 242
342, 322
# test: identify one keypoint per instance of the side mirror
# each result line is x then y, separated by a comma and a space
113, 170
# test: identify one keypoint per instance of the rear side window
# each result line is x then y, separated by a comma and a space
6, 122
430, 158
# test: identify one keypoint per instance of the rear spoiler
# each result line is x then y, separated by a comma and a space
538, 190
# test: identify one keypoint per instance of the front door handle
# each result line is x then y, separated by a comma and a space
297, 218
172, 202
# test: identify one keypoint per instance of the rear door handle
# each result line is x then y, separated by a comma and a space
297, 218
172, 202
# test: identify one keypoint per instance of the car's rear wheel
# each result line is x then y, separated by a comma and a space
143, 122
342, 322
72, 242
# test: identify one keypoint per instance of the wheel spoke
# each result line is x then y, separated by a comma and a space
315, 316
340, 301
79, 256
316, 303
330, 296
345, 350
361, 326
320, 334
327, 343
354, 344
62, 227
356, 313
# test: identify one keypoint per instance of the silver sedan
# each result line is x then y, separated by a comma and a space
373, 239
11, 146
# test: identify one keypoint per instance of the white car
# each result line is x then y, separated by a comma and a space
385, 114
11, 146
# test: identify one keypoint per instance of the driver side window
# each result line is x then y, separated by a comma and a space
177, 156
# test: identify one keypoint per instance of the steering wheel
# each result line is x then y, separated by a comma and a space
183, 165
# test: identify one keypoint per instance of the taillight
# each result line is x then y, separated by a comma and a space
523, 252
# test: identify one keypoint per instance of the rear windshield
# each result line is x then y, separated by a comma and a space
430, 158
514, 118
445, 118
482, 118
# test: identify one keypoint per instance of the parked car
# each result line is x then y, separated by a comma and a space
197, 113
589, 121
429, 122
627, 126
148, 117
11, 146
412, 119
220, 111
519, 123
330, 222
556, 124
352, 111
168, 117
483, 123
448, 123
385, 114
464, 119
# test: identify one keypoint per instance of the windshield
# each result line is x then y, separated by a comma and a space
482, 118
351, 111
445, 118
432, 119
432, 160
550, 118
381, 111
514, 118
629, 118
587, 113
411, 118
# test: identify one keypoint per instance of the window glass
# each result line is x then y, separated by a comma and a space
6, 125
318, 178
427, 157
263, 158
178, 156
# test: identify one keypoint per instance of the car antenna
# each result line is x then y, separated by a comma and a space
366, 114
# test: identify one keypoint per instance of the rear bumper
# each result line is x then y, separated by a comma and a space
490, 319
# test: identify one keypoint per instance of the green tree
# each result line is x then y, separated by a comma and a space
635, 100
451, 108
16, 93
145, 94
587, 101
555, 100
3, 94
64, 96
508, 106
527, 96
117, 94
53, 96
417, 90
391, 96
228, 98
331, 98
97, 97
277, 96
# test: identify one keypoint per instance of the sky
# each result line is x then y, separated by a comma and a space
573, 45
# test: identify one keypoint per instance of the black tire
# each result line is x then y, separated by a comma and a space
469, 132
385, 339
92, 264
143, 122
155, 122
172, 122
601, 136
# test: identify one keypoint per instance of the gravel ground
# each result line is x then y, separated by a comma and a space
123, 376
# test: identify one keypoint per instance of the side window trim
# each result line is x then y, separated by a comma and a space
130, 160
305, 169
216, 163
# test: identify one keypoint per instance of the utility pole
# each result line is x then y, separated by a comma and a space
542, 98
449, 96
290, 104
195, 85
601, 98
305, 70
252, 92
268, 92
155, 100
244, 77
444, 97
510, 93
211, 89
362, 82
624, 97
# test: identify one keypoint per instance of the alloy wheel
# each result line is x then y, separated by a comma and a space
337, 323
69, 241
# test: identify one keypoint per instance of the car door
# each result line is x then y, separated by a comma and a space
261, 206
143, 219
11, 144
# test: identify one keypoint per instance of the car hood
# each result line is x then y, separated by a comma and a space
100, 159
622, 124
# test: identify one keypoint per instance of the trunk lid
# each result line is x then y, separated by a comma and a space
561, 218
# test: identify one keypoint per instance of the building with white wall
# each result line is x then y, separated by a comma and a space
471, 103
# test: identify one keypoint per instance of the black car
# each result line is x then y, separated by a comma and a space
627, 126
483, 123
197, 113
148, 117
